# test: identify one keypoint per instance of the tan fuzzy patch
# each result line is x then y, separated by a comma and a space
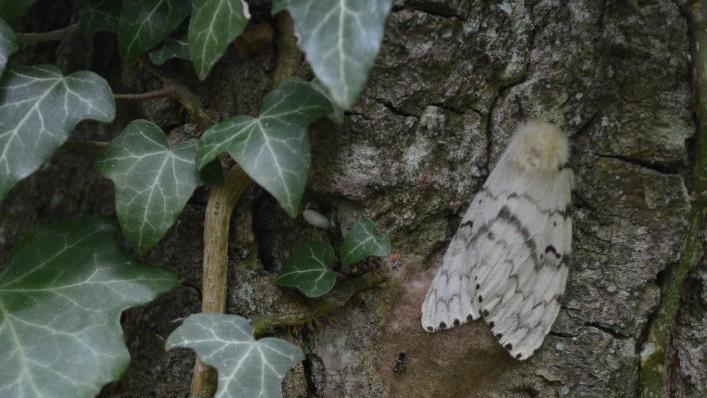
465, 361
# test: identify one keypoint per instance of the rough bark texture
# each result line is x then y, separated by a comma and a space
439, 107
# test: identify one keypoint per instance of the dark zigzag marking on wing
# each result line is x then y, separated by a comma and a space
522, 325
437, 300
525, 298
484, 190
505, 214
485, 229
566, 212
520, 322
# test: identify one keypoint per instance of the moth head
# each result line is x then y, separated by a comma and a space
540, 147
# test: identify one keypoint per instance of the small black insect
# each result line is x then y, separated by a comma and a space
400, 362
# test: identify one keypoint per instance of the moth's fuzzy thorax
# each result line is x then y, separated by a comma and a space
539, 147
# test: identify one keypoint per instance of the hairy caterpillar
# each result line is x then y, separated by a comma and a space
508, 261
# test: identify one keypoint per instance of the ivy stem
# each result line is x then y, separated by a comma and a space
320, 308
289, 56
222, 200
43, 37
655, 358
220, 206
184, 95
165, 91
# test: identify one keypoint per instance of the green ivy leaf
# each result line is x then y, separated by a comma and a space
337, 115
170, 49
274, 147
309, 269
362, 241
340, 38
213, 26
61, 295
13, 10
247, 368
152, 182
38, 109
278, 6
8, 44
101, 16
146, 23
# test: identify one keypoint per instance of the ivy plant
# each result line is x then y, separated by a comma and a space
39, 107
8, 43
309, 268
341, 39
61, 294
153, 182
143, 24
64, 286
274, 147
364, 240
172, 48
213, 26
246, 367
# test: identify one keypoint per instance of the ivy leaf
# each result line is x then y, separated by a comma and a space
171, 48
13, 10
340, 38
146, 23
309, 269
362, 241
101, 16
38, 109
247, 368
61, 295
337, 115
213, 26
273, 149
152, 182
278, 6
8, 43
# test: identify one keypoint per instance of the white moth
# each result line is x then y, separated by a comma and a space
508, 260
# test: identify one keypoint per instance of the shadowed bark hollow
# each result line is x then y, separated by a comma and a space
438, 109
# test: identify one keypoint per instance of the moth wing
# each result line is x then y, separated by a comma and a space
450, 299
524, 269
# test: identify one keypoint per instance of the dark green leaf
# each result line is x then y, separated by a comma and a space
362, 241
38, 109
171, 48
309, 269
152, 182
274, 147
146, 23
337, 114
214, 25
278, 6
12, 10
101, 16
340, 38
8, 44
212, 173
61, 295
247, 368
